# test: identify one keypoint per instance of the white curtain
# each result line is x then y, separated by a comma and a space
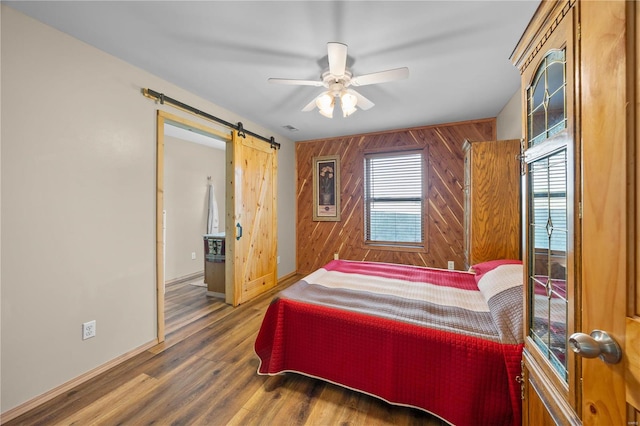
212, 217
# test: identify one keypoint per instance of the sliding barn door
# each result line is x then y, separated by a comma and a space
251, 226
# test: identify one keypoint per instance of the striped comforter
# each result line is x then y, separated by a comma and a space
447, 342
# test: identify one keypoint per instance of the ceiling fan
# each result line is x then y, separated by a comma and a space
338, 79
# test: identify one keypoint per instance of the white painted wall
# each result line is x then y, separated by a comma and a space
509, 121
78, 205
186, 194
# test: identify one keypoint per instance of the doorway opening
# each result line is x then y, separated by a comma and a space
190, 190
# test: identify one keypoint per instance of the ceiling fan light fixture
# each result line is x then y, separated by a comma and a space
337, 80
324, 101
325, 104
327, 112
348, 112
348, 103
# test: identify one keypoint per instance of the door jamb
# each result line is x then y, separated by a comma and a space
162, 118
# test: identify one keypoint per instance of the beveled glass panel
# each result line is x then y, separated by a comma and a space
539, 122
548, 240
540, 263
546, 103
538, 93
555, 109
558, 269
558, 330
540, 326
555, 76
556, 129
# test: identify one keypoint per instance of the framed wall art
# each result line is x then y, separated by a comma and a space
326, 188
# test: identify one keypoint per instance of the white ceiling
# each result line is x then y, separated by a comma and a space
457, 53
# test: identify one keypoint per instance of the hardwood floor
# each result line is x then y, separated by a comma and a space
205, 374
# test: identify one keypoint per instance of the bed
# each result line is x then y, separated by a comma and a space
447, 342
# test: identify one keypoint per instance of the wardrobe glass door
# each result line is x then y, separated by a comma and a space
547, 251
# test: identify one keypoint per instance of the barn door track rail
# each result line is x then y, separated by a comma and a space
163, 99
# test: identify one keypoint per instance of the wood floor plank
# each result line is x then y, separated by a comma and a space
339, 407
113, 402
289, 393
172, 393
226, 397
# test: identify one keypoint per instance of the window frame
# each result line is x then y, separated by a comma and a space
421, 246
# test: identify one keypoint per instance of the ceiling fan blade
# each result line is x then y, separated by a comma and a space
380, 77
337, 55
311, 105
363, 103
296, 82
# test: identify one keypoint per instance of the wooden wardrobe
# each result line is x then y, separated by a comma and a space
491, 200
580, 83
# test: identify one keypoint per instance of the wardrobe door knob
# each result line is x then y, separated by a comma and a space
597, 344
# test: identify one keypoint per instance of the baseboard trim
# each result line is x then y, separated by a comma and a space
65, 387
185, 278
286, 277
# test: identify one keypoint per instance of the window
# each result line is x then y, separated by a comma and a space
394, 198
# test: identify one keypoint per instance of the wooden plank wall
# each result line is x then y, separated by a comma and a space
318, 241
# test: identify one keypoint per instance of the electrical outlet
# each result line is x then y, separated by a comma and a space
278, 259
336, 256
450, 265
88, 329
193, 255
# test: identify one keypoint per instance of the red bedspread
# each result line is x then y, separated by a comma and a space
446, 342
